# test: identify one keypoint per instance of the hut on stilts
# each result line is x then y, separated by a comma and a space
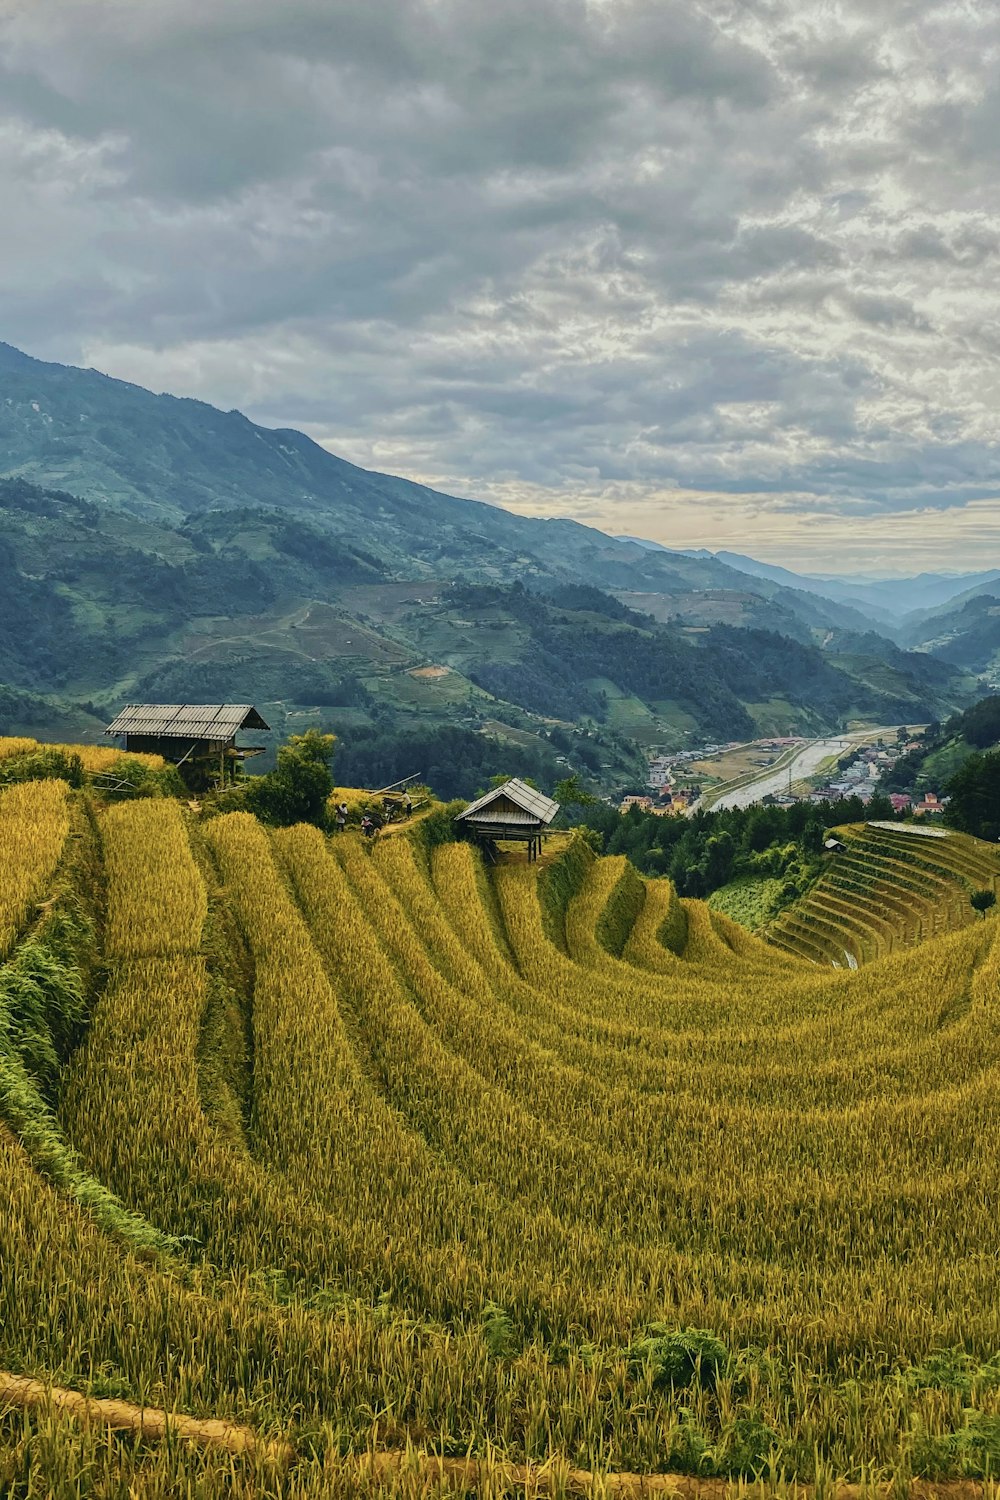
511, 812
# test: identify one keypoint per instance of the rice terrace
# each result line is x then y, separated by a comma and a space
335, 1166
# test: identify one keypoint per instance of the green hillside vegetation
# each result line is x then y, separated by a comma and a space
166, 460
709, 850
358, 1159
945, 747
157, 549
965, 632
98, 607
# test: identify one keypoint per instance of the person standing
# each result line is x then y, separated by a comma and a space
341, 816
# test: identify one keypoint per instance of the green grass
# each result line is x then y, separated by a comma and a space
752, 900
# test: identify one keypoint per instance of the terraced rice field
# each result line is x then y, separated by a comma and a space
377, 1155
890, 889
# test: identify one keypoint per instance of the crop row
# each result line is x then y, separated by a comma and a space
34, 825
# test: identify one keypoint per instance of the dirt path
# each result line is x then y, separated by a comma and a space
152, 1424
390, 829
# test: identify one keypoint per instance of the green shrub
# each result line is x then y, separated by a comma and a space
128, 776
972, 1450
439, 826
953, 1370
677, 1357
498, 1331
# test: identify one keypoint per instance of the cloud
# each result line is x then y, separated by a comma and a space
577, 256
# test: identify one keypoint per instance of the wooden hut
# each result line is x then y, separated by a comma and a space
512, 811
201, 737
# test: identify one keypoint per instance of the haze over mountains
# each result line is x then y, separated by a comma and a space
887, 599
154, 546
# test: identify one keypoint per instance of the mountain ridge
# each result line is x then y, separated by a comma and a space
180, 552
164, 457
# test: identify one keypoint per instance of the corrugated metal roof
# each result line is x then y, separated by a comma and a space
533, 807
515, 817
187, 721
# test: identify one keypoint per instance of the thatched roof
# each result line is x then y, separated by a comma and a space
187, 721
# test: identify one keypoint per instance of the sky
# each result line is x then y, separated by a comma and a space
719, 274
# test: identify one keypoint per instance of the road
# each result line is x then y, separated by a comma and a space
805, 762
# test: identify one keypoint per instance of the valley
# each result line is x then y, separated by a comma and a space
157, 549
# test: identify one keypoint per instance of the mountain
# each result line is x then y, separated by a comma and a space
165, 459
888, 600
966, 633
99, 606
903, 596
179, 553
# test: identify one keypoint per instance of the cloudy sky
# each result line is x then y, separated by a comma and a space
719, 273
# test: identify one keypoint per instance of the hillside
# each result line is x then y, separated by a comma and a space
946, 747
371, 1150
98, 607
890, 887
166, 459
966, 634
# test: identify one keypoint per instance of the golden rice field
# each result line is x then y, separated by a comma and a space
431, 1178
94, 758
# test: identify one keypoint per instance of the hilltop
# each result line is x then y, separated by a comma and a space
966, 633
336, 1153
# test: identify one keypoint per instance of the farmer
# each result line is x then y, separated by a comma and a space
368, 826
341, 816
407, 804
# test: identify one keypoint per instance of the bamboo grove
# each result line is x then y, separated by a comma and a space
378, 1150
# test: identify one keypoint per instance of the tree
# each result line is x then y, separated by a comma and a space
296, 791
571, 793
717, 864
981, 901
813, 837
974, 791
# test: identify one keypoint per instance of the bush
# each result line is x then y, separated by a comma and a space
129, 776
299, 787
678, 1357
439, 826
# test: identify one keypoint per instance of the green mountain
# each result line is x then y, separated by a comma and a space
165, 459
157, 548
966, 633
98, 606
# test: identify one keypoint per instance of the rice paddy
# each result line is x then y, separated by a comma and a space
407, 1161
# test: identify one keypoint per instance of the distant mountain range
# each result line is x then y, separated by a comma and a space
156, 547
891, 600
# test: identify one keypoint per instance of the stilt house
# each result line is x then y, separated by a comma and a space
200, 737
512, 811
